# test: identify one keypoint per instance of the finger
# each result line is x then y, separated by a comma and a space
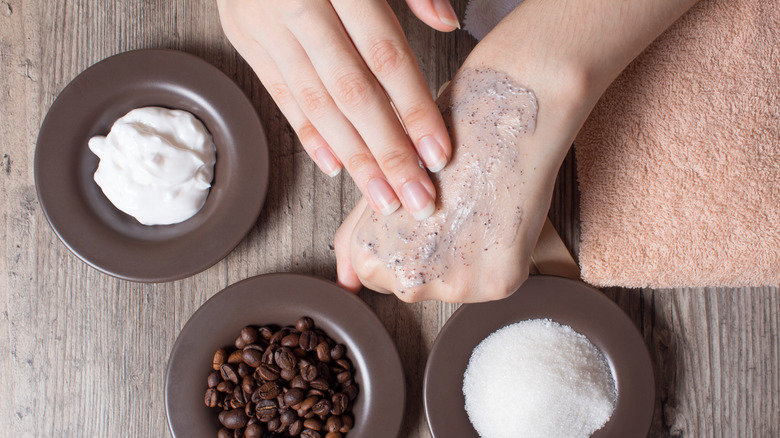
341, 243
362, 100
438, 14
378, 36
314, 100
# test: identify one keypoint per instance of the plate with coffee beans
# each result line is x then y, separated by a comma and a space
284, 355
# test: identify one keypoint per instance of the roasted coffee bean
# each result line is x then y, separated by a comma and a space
337, 352
234, 358
267, 372
285, 358
253, 431
225, 433
225, 386
315, 393
233, 419
308, 371
250, 409
344, 377
322, 408
288, 375
299, 352
265, 332
306, 405
312, 423
351, 391
212, 398
248, 384
266, 410
304, 323
213, 379
333, 423
293, 396
290, 341
298, 382
333, 435
308, 433
245, 370
324, 370
278, 336
288, 417
249, 334
229, 373
344, 364
346, 423
323, 352
240, 343
308, 340
296, 427
239, 396
252, 357
268, 390
268, 354
340, 403
274, 424
320, 383
220, 357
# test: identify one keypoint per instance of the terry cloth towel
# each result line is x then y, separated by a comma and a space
679, 162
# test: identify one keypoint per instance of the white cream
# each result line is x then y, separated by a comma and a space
156, 165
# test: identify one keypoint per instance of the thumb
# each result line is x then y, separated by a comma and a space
438, 14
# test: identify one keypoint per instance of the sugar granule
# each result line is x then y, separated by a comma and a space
538, 378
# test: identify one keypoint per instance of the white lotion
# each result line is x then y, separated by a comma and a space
156, 165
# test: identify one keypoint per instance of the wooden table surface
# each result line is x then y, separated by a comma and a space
84, 354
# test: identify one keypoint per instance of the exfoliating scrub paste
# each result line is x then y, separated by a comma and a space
156, 165
538, 378
479, 210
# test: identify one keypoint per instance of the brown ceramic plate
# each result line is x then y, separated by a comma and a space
87, 222
565, 301
281, 299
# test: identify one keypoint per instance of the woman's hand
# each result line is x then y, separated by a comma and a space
345, 77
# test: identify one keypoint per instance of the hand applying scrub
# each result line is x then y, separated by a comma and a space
339, 70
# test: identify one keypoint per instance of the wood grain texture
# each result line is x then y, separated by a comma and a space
84, 354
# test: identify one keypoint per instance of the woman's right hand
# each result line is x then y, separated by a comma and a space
343, 74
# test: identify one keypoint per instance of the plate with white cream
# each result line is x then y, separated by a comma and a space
151, 165
556, 358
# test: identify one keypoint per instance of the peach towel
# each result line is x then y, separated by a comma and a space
679, 163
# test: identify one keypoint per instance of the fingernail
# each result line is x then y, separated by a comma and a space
328, 162
383, 196
446, 13
418, 200
432, 154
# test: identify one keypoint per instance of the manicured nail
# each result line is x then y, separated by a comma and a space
418, 200
328, 162
383, 196
432, 154
446, 13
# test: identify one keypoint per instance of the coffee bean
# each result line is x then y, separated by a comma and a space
333, 423
235, 357
308, 433
268, 354
239, 397
346, 423
298, 382
344, 377
225, 386
344, 364
248, 384
322, 408
293, 396
308, 371
296, 427
244, 370
288, 375
253, 431
267, 372
351, 391
312, 423
340, 403
266, 410
275, 424
337, 352
285, 358
290, 341
288, 417
249, 409
299, 352
240, 343
323, 352
220, 357
229, 373
249, 334
212, 398
268, 390
252, 357
233, 419
333, 435
320, 383
278, 336
308, 340
304, 323
315, 393
213, 379
306, 405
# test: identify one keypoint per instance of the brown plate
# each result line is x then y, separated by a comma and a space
281, 299
565, 301
108, 239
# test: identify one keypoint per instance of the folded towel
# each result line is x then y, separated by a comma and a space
679, 163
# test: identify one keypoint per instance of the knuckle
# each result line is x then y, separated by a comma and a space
313, 100
416, 118
279, 93
359, 162
396, 162
385, 57
353, 89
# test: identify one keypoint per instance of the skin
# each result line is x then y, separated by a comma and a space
340, 70
567, 54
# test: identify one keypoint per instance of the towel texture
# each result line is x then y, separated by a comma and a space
679, 163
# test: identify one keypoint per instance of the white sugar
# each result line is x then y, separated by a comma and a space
538, 378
